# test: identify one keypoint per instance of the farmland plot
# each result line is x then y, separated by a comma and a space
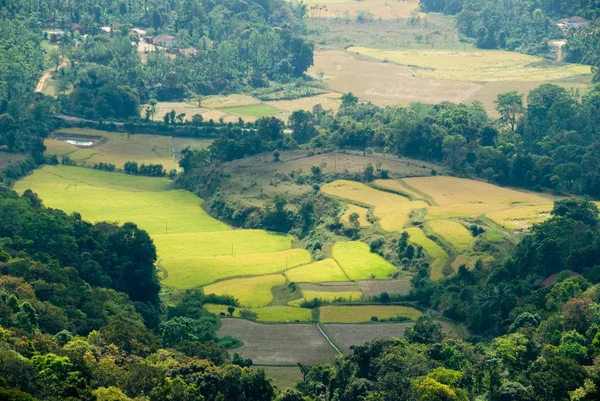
364, 313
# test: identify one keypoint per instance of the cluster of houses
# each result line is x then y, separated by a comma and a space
571, 23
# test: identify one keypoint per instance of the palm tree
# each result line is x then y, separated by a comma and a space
499, 301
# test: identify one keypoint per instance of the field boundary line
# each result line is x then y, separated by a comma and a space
328, 339
474, 91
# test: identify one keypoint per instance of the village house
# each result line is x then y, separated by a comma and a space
567, 24
165, 41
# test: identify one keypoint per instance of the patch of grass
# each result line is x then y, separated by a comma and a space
357, 261
455, 234
309, 295
363, 313
114, 148
252, 291
494, 236
317, 272
269, 314
193, 271
362, 215
229, 342
254, 110
470, 260
435, 252
476, 66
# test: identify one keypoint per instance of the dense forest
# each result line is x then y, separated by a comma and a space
525, 26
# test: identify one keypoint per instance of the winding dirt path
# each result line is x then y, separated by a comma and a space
48, 74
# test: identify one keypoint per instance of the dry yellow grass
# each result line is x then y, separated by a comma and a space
455, 234
436, 253
395, 217
363, 313
476, 66
470, 260
384, 9
252, 291
452, 190
397, 186
520, 217
459, 210
362, 215
317, 272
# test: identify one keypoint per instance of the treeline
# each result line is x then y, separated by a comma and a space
148, 170
236, 46
524, 26
80, 317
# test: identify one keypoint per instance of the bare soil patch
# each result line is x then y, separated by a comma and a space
279, 344
372, 288
346, 335
6, 159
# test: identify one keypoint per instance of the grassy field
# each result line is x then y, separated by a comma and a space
435, 252
279, 344
452, 190
194, 271
269, 314
194, 249
357, 261
455, 234
114, 148
470, 260
254, 110
317, 272
252, 292
476, 66
362, 215
363, 313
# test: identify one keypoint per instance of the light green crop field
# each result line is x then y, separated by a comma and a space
357, 261
268, 314
455, 234
115, 148
476, 66
435, 252
193, 248
317, 272
254, 110
194, 271
249, 291
363, 313
309, 295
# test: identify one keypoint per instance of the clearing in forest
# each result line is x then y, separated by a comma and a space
364, 313
111, 147
357, 261
455, 234
435, 252
174, 219
317, 272
476, 66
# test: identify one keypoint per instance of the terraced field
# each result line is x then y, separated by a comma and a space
357, 261
455, 234
364, 313
436, 253
317, 272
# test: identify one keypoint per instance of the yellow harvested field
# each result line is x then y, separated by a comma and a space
112, 147
361, 314
251, 292
195, 271
393, 210
384, 9
395, 217
520, 217
452, 190
476, 66
362, 215
332, 295
470, 260
397, 186
459, 210
357, 261
455, 234
385, 83
235, 100
435, 252
317, 272
360, 193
